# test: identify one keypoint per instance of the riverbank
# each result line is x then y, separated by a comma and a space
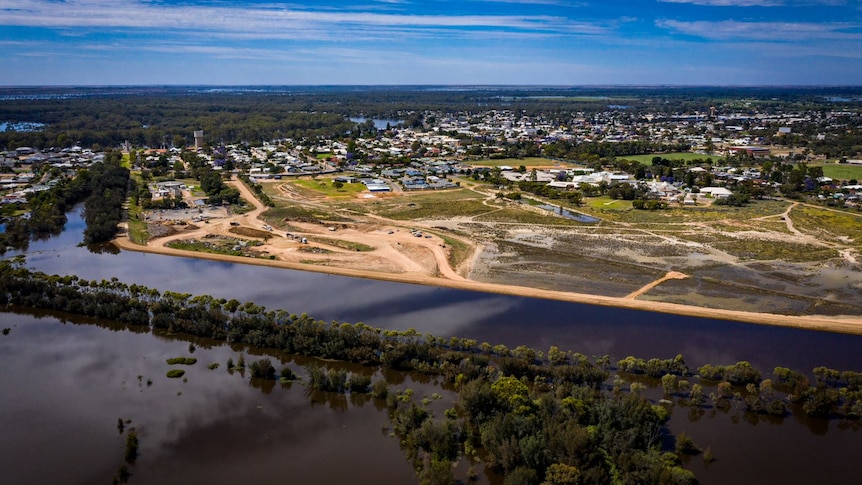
849, 324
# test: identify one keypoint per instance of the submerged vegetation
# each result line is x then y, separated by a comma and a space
540, 416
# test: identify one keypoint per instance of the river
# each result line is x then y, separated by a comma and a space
72, 382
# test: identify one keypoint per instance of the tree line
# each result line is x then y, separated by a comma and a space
103, 189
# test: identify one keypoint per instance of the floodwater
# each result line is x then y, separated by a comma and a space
68, 384
575, 216
65, 386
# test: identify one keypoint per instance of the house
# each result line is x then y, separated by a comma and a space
716, 192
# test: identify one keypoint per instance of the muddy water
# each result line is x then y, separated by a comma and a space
66, 385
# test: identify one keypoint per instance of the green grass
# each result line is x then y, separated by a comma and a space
424, 205
410, 209
764, 250
607, 204
326, 188
280, 216
138, 232
458, 251
831, 225
685, 156
842, 171
680, 215
250, 232
517, 162
340, 243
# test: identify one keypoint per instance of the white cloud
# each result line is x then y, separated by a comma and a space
765, 31
758, 3
261, 21
731, 3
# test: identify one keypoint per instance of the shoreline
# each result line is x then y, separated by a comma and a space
846, 324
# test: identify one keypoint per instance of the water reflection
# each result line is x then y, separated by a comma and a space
72, 383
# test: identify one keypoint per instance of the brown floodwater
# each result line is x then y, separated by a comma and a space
66, 385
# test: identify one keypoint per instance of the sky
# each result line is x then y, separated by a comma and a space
420, 42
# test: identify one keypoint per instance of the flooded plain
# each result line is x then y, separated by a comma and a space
65, 385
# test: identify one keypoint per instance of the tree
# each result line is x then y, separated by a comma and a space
338, 184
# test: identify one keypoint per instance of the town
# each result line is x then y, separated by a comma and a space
723, 150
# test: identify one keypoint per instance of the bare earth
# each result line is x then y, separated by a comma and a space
397, 254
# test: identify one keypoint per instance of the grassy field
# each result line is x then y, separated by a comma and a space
340, 243
606, 204
326, 188
679, 215
686, 156
278, 216
458, 251
834, 225
137, 225
842, 171
427, 205
517, 162
250, 232
763, 250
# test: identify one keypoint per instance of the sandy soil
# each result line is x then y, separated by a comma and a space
401, 256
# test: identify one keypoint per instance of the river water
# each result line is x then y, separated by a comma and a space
70, 383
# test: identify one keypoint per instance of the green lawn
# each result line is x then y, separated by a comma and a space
686, 156
606, 204
842, 171
325, 187
517, 162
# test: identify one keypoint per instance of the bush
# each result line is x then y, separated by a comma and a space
182, 361
380, 389
359, 383
175, 373
262, 369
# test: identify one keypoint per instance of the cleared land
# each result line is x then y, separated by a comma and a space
775, 262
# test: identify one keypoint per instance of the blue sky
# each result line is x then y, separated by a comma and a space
538, 42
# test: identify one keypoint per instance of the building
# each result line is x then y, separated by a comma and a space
199, 140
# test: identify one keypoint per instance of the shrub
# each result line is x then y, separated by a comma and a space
175, 373
182, 361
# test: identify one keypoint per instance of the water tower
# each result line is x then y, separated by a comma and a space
199, 139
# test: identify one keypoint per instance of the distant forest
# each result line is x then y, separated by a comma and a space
168, 116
